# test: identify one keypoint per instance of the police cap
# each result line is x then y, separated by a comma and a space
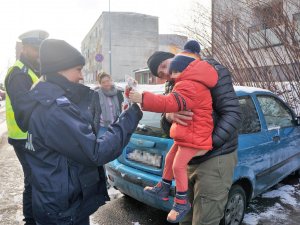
33, 37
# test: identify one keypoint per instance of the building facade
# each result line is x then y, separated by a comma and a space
256, 38
119, 43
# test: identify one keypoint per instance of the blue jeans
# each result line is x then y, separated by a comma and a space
19, 147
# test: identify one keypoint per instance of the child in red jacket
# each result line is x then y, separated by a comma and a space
193, 80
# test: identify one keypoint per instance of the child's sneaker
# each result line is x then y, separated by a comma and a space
180, 208
160, 191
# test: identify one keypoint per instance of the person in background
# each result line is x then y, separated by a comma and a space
208, 188
18, 82
110, 99
63, 151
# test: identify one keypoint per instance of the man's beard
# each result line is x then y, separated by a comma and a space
34, 64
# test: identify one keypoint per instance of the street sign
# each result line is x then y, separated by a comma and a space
99, 57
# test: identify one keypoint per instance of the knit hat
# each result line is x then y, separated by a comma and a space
183, 59
156, 59
57, 55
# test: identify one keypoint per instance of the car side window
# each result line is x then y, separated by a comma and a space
275, 112
250, 121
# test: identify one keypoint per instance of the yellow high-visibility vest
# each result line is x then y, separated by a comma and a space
14, 131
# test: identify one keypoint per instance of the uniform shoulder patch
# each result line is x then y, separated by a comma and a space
62, 101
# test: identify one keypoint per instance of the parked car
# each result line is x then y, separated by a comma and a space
268, 151
2, 95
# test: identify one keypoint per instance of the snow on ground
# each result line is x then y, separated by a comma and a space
287, 194
275, 213
114, 194
280, 205
3, 127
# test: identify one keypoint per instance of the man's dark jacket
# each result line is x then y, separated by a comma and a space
63, 152
227, 115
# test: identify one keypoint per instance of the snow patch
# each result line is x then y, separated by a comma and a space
285, 193
3, 128
135, 223
114, 194
92, 222
249, 89
19, 216
18, 198
277, 212
2, 192
251, 219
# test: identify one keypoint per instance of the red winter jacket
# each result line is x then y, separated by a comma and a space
191, 92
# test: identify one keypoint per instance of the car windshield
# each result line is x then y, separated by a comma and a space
150, 125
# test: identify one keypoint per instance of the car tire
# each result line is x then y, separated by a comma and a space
235, 207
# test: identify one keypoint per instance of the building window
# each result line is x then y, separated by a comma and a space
231, 30
270, 27
275, 112
256, 37
296, 20
250, 121
263, 36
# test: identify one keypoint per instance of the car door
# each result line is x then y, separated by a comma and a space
284, 137
253, 144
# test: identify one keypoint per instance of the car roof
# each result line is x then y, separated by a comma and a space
241, 90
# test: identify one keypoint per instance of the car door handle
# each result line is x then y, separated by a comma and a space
276, 138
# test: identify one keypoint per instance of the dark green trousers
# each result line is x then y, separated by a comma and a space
209, 184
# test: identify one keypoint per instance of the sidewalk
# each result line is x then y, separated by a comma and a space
11, 185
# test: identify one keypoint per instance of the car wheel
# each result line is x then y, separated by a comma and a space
235, 207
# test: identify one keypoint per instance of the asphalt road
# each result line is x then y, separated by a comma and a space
128, 211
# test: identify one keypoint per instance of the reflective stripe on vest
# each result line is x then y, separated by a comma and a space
14, 131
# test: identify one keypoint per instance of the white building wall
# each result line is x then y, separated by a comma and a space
134, 37
243, 11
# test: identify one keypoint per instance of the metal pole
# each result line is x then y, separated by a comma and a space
109, 52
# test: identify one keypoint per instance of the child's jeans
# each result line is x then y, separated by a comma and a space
176, 165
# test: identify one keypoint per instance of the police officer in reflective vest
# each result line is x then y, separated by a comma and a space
18, 82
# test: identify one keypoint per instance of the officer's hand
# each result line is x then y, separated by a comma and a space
181, 117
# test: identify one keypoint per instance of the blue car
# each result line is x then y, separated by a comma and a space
269, 150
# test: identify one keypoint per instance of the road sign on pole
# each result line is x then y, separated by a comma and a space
99, 57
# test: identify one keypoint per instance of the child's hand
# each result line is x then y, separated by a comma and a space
135, 97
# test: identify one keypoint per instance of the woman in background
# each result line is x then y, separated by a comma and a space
110, 99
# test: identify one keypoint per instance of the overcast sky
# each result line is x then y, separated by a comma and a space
72, 19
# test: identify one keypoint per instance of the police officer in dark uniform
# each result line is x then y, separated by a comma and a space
18, 82
63, 151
